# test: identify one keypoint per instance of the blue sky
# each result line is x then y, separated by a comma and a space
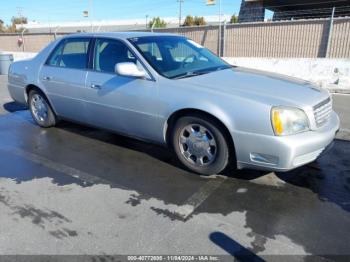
71, 10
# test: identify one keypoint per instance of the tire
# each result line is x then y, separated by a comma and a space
43, 114
196, 136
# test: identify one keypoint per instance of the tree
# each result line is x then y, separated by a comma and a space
193, 21
12, 27
189, 21
19, 20
2, 27
157, 22
15, 21
234, 19
199, 20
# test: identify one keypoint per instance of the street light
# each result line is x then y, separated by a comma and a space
89, 14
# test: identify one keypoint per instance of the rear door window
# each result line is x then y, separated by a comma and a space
72, 53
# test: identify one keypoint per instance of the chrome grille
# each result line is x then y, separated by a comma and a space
322, 112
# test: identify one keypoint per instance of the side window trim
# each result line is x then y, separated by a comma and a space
63, 43
91, 53
58, 45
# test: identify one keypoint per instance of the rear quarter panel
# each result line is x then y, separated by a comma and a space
26, 72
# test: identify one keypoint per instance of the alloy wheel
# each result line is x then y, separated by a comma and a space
39, 108
197, 145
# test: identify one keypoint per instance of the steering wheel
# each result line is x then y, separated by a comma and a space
184, 62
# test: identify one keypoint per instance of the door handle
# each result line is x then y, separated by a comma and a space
47, 78
95, 86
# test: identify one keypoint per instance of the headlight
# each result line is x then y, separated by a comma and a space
288, 121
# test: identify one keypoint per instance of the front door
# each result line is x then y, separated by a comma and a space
123, 104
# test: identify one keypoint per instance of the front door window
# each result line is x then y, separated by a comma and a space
108, 53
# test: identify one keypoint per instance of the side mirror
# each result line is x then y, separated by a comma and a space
129, 69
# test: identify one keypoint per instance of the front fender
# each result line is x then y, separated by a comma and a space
210, 109
237, 113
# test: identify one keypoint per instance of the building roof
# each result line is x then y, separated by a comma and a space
106, 25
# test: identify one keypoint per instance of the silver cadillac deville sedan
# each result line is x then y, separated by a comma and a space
170, 90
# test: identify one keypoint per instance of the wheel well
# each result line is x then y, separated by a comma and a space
196, 112
34, 87
30, 88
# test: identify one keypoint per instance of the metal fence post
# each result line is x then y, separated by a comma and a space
224, 39
153, 25
220, 30
56, 29
219, 41
23, 41
329, 40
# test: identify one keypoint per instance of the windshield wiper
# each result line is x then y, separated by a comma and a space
217, 68
224, 67
202, 71
188, 74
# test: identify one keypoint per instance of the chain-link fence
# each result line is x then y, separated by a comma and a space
310, 38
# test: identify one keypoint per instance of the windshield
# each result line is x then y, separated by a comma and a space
177, 57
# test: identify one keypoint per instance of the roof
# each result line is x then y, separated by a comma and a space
122, 35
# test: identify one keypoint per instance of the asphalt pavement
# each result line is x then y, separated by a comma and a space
75, 190
4, 95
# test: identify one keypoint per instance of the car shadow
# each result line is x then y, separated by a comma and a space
14, 107
159, 152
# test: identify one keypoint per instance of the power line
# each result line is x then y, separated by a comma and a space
19, 11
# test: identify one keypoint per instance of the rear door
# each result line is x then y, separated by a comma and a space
64, 75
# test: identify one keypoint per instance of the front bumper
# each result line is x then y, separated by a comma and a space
276, 153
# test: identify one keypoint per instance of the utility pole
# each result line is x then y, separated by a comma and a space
180, 11
90, 14
20, 11
20, 14
146, 21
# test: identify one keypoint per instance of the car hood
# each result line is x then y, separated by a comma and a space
263, 86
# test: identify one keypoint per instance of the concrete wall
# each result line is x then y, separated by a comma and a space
333, 74
17, 56
32, 42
